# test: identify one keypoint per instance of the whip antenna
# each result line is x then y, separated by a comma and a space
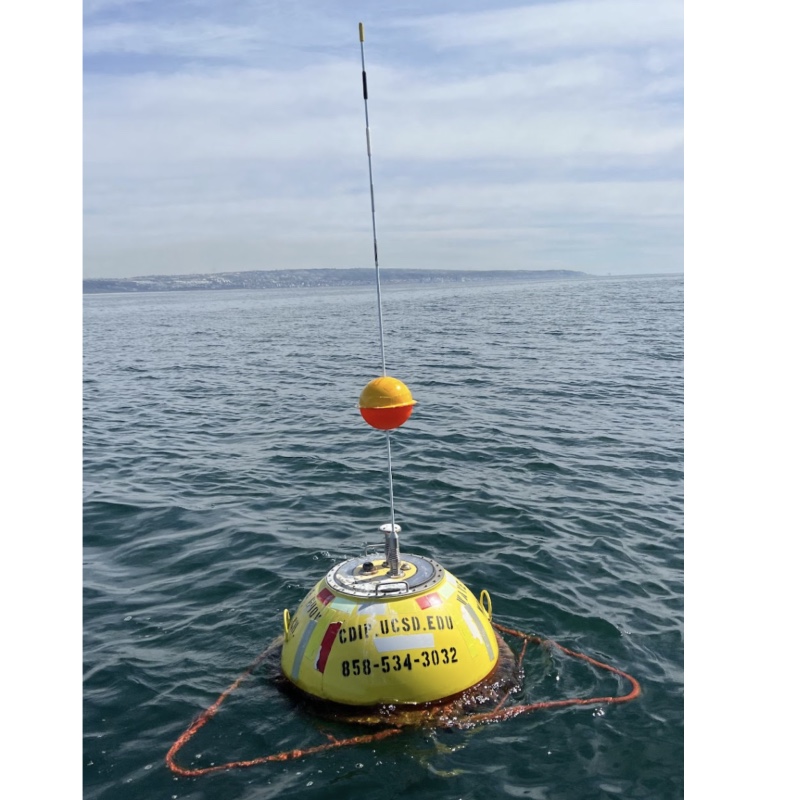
372, 199
391, 530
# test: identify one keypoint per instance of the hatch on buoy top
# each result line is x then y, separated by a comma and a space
365, 578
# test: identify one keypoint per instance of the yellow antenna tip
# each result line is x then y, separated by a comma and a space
361, 31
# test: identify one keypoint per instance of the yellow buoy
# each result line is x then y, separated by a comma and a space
363, 636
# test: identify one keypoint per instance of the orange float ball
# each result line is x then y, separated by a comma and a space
386, 403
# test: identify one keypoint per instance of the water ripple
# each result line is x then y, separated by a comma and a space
226, 468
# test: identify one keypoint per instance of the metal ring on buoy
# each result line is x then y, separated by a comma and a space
486, 603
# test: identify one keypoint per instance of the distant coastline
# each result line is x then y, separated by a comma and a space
298, 278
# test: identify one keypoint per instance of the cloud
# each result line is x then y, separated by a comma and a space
194, 40
95, 7
556, 26
222, 143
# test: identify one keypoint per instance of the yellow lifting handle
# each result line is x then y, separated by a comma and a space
286, 618
486, 603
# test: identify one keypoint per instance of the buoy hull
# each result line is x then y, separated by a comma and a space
407, 649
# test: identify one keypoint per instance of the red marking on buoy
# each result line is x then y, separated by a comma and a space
325, 596
327, 643
429, 600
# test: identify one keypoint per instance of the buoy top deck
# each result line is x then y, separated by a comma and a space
363, 578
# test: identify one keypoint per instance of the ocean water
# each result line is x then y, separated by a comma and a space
226, 469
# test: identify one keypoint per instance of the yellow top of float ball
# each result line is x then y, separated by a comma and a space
385, 392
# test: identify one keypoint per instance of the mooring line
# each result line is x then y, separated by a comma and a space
498, 714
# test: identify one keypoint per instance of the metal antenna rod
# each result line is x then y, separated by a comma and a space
392, 541
372, 196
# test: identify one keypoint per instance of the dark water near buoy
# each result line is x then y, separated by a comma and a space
227, 468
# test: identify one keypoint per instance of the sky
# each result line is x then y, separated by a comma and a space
231, 136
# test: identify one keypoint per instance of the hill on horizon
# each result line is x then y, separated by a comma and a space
332, 276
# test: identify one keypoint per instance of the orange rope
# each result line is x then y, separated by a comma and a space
497, 714
287, 755
500, 713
